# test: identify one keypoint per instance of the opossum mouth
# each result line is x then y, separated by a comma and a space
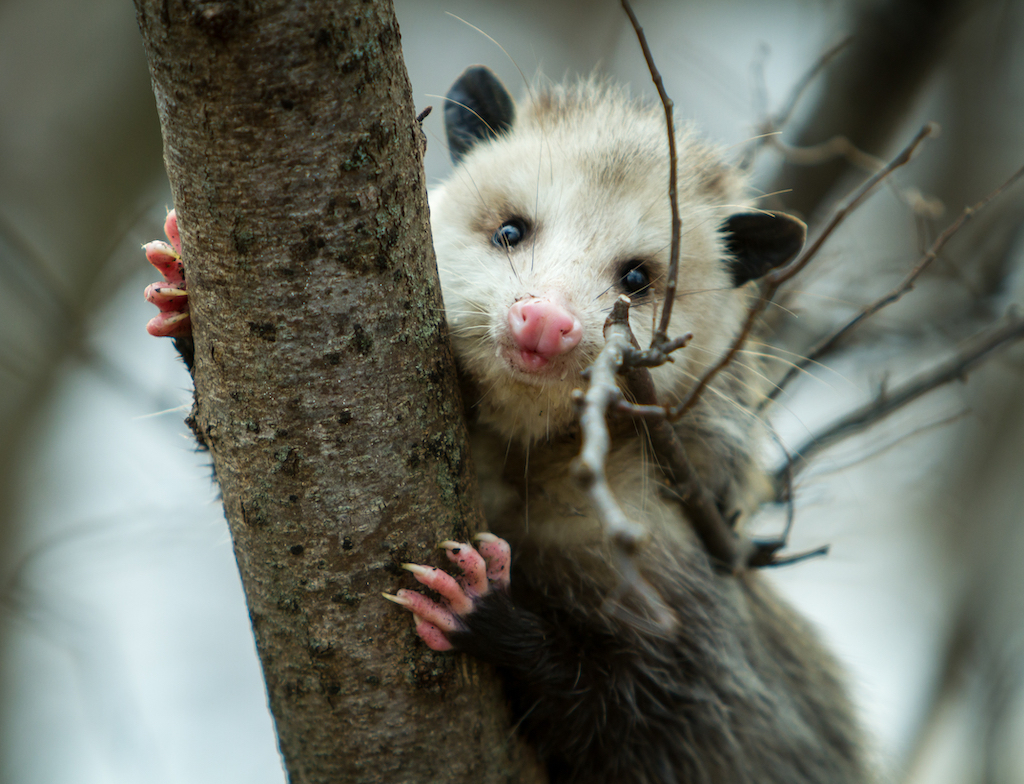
534, 368
532, 361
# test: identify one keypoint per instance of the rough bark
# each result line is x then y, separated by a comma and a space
325, 385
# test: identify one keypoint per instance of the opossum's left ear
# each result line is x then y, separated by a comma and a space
477, 107
761, 241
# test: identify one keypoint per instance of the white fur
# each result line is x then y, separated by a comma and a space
588, 168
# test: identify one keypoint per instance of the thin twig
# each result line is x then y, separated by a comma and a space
774, 280
836, 467
801, 86
829, 343
660, 336
836, 147
714, 532
890, 401
602, 396
768, 130
780, 276
765, 555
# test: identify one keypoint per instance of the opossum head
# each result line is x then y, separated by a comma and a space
553, 211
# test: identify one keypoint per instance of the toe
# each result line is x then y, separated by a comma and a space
474, 568
171, 230
446, 585
498, 556
431, 635
170, 324
167, 297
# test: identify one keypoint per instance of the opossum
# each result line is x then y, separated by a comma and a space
555, 208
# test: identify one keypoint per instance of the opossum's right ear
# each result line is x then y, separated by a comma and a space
477, 107
761, 241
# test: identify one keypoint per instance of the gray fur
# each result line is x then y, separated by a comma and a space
656, 669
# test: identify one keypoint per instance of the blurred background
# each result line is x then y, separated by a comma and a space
125, 651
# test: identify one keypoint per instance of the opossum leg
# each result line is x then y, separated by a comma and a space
483, 570
170, 294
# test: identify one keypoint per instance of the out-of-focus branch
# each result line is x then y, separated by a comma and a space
830, 342
957, 367
769, 130
601, 395
869, 88
774, 280
782, 117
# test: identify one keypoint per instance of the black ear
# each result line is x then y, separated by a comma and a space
478, 107
761, 241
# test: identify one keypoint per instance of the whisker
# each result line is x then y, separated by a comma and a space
526, 81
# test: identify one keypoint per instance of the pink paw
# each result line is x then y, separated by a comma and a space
484, 569
169, 295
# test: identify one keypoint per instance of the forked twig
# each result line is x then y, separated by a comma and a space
713, 530
801, 86
768, 130
888, 402
601, 395
827, 344
621, 354
774, 280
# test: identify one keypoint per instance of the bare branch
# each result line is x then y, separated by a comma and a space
888, 402
602, 396
774, 280
769, 128
829, 343
713, 530
661, 335
621, 352
717, 536
602, 393
826, 58
867, 93
836, 147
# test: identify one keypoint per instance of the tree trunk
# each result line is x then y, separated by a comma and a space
325, 385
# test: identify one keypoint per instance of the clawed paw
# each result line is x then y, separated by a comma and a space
484, 569
169, 295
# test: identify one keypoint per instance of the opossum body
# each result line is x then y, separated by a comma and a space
551, 212
655, 669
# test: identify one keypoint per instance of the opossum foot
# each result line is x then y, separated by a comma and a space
484, 569
169, 295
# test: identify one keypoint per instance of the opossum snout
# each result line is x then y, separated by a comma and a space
543, 329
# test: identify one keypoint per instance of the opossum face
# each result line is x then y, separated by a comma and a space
545, 223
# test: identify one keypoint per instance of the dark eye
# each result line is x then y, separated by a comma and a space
510, 234
635, 279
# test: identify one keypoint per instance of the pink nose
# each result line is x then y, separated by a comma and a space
543, 327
